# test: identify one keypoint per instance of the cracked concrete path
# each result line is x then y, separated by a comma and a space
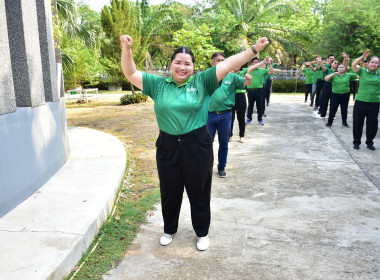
298, 202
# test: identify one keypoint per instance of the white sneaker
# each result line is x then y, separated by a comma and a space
202, 243
166, 239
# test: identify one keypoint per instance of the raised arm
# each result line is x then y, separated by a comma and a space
328, 77
127, 64
237, 60
278, 59
270, 68
257, 65
354, 65
346, 59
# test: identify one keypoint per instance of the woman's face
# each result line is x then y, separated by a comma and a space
334, 64
182, 68
341, 69
373, 64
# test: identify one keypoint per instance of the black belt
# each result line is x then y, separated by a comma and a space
183, 136
221, 112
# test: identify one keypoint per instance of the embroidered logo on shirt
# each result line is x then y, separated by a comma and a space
227, 82
191, 89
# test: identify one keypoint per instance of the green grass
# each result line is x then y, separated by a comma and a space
136, 127
119, 230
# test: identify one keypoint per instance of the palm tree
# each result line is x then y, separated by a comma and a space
70, 28
252, 22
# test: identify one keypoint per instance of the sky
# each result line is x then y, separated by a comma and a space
97, 5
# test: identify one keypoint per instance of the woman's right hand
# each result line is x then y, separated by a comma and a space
366, 53
261, 44
126, 41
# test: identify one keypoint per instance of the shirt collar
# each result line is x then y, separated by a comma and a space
170, 80
376, 72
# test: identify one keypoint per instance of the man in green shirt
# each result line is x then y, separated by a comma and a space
340, 81
255, 89
219, 110
308, 70
367, 101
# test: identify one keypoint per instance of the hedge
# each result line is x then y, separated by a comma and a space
136, 97
288, 86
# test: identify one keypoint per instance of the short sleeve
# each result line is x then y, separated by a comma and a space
265, 71
360, 72
239, 81
208, 79
151, 84
304, 70
352, 76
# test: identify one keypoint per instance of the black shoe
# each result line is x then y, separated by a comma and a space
371, 147
328, 124
356, 146
346, 125
221, 172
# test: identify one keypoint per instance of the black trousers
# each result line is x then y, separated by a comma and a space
370, 112
318, 92
185, 162
255, 95
240, 107
308, 89
337, 100
354, 85
326, 95
268, 90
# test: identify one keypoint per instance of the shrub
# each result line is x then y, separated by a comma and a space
137, 97
288, 86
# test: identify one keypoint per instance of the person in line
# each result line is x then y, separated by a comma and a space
367, 101
309, 76
219, 112
184, 152
340, 81
255, 89
269, 83
239, 108
320, 81
326, 94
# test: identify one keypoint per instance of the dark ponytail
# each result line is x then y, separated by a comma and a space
183, 50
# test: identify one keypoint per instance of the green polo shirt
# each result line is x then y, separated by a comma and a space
257, 77
223, 97
328, 72
308, 75
181, 108
352, 71
341, 83
369, 86
275, 66
327, 66
241, 75
318, 72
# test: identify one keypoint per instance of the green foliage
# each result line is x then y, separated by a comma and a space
288, 86
351, 26
198, 40
118, 19
133, 98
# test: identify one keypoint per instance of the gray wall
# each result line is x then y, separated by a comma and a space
33, 129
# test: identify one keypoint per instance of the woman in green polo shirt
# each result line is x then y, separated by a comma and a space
340, 93
184, 146
367, 101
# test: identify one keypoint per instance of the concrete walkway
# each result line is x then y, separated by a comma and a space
45, 236
298, 202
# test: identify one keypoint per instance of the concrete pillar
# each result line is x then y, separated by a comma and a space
25, 52
47, 50
7, 94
